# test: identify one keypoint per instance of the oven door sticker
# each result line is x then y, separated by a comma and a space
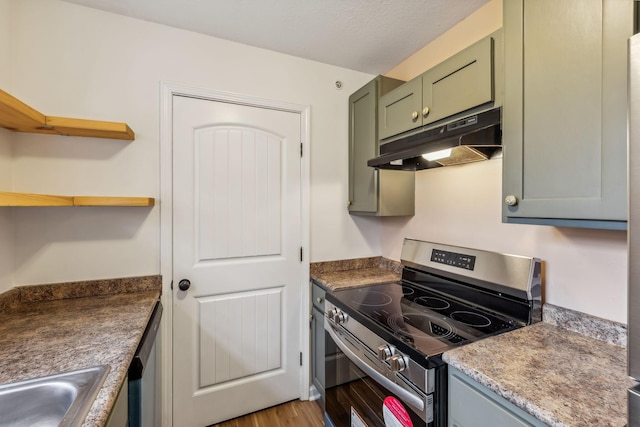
356, 421
395, 414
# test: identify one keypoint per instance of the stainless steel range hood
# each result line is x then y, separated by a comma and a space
471, 139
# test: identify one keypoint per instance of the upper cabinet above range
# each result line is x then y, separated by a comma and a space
463, 84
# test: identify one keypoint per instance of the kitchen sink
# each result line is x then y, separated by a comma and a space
61, 400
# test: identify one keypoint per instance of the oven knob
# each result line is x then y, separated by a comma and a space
384, 352
398, 363
338, 316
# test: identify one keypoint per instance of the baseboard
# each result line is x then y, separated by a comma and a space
313, 393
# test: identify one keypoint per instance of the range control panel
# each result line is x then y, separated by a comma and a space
454, 259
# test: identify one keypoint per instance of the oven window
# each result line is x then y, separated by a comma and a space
355, 400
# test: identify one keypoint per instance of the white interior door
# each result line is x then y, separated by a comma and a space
237, 239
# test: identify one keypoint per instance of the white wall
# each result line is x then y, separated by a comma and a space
585, 270
73, 61
6, 214
5, 43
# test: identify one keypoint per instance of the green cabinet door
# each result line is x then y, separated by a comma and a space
401, 109
564, 117
456, 86
317, 340
119, 416
371, 191
317, 363
464, 81
473, 405
363, 181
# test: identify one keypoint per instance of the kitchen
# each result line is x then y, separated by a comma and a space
110, 68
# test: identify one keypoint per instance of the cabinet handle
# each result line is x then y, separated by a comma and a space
425, 111
511, 200
414, 115
319, 300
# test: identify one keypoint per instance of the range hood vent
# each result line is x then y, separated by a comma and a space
471, 139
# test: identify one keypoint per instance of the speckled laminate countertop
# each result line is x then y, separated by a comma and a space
56, 328
353, 273
562, 377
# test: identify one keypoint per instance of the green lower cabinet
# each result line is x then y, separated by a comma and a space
565, 112
119, 416
473, 405
317, 340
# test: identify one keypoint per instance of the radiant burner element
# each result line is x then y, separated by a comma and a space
417, 326
433, 303
373, 299
406, 291
472, 319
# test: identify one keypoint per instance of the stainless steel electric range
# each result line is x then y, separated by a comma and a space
383, 365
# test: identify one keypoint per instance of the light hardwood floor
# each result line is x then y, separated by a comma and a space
296, 413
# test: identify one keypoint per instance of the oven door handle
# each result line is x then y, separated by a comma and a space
411, 399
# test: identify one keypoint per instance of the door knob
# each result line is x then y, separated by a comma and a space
184, 284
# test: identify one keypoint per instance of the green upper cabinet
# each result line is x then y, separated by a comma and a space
458, 84
401, 109
371, 191
564, 115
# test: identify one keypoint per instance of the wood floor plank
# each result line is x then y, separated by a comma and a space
296, 413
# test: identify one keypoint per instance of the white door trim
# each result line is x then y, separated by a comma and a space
167, 91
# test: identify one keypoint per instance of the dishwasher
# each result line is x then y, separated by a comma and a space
142, 376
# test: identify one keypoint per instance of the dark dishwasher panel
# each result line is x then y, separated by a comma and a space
142, 375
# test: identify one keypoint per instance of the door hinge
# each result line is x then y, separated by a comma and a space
301, 149
172, 285
300, 358
301, 257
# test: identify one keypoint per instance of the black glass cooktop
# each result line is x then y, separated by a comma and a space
425, 320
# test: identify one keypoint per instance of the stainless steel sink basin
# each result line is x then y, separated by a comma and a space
61, 400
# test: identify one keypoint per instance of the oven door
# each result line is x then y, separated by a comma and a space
358, 393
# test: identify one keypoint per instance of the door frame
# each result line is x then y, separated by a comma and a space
167, 91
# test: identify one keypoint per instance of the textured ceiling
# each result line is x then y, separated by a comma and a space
371, 36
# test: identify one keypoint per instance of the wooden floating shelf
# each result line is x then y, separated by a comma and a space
28, 199
113, 201
11, 199
17, 116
